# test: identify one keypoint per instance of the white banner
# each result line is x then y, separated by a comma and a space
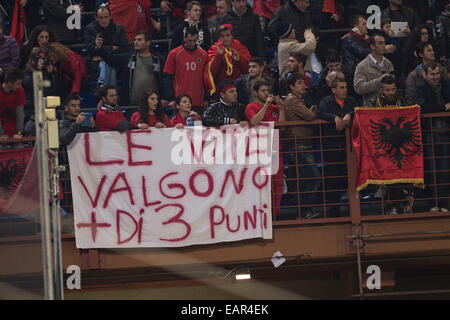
169, 187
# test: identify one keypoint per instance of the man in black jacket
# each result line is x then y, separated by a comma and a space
227, 110
56, 18
337, 108
355, 44
294, 12
74, 120
194, 13
143, 69
113, 40
398, 12
246, 27
431, 94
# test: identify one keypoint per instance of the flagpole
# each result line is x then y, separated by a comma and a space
42, 146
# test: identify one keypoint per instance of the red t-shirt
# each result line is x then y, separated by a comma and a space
272, 112
187, 68
152, 120
108, 121
178, 118
8, 104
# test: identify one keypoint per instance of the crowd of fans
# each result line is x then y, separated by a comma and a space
229, 61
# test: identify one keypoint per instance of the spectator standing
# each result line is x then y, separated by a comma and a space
68, 67
421, 34
9, 52
389, 97
39, 37
333, 69
194, 13
338, 109
109, 116
416, 77
218, 19
56, 16
398, 12
264, 109
300, 148
293, 12
443, 31
38, 61
394, 46
227, 59
184, 71
245, 83
227, 110
288, 44
432, 97
246, 27
12, 101
372, 69
114, 41
143, 68
355, 44
150, 113
430, 93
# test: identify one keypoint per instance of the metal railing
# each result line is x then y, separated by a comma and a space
319, 180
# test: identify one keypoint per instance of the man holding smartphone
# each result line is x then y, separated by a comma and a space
74, 120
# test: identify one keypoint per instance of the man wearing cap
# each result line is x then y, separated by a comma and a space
227, 110
288, 43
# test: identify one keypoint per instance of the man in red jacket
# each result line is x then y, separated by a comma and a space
227, 59
109, 116
12, 101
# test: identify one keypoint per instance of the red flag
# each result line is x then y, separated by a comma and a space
18, 23
265, 8
125, 13
388, 146
19, 192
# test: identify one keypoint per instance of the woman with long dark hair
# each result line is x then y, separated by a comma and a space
184, 107
39, 37
422, 33
150, 113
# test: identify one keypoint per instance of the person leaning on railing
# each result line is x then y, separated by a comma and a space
297, 110
12, 101
431, 94
389, 97
338, 108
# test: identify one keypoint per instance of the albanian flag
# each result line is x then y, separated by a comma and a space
19, 193
388, 146
18, 23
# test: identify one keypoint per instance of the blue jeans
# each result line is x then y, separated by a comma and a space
107, 74
308, 170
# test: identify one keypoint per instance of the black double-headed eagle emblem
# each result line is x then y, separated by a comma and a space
11, 174
396, 141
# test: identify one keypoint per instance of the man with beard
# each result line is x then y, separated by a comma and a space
109, 116
388, 95
184, 70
